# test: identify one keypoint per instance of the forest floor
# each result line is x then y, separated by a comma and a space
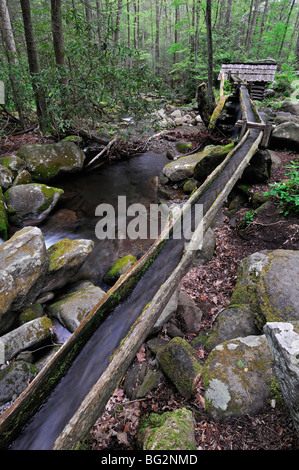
211, 287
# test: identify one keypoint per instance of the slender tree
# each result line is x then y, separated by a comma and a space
211, 97
57, 31
40, 100
12, 57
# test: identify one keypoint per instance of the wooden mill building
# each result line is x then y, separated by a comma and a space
257, 76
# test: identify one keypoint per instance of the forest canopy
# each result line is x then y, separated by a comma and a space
64, 61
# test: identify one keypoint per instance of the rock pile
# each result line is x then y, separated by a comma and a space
39, 300
253, 346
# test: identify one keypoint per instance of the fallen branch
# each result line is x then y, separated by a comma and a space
105, 149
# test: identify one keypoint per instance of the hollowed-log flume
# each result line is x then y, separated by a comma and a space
59, 407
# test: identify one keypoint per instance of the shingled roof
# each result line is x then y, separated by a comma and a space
261, 72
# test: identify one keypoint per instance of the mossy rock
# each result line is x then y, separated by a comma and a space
31, 313
189, 186
3, 218
268, 283
46, 162
14, 380
23, 177
183, 167
71, 310
6, 177
237, 376
29, 204
30, 334
13, 163
118, 269
179, 362
66, 257
173, 430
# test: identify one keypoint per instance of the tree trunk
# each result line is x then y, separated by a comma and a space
88, 11
117, 22
263, 25
41, 105
211, 98
57, 32
11, 52
157, 38
252, 25
286, 28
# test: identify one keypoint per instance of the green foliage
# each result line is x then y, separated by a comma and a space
287, 192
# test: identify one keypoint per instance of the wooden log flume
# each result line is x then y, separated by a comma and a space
16, 417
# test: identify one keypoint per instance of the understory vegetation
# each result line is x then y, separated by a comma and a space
72, 64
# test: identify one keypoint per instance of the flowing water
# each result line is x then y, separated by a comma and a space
50, 420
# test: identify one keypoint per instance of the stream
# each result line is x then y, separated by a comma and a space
133, 179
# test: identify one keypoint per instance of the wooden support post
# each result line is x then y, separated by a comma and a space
267, 134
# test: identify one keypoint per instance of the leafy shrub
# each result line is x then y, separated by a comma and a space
287, 192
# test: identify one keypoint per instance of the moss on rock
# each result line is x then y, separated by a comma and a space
169, 431
118, 269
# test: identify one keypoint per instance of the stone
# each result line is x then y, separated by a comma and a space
26, 336
188, 315
150, 382
45, 162
6, 177
283, 339
209, 162
167, 312
23, 177
179, 362
30, 204
285, 135
290, 107
183, 167
205, 254
14, 380
268, 283
31, 313
190, 186
118, 269
73, 308
23, 266
66, 257
237, 377
173, 430
13, 163
232, 322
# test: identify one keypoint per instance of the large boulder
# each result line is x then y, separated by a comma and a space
71, 310
29, 204
286, 135
23, 266
268, 283
183, 167
290, 107
66, 257
170, 431
237, 376
45, 162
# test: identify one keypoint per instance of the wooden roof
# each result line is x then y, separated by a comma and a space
262, 72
